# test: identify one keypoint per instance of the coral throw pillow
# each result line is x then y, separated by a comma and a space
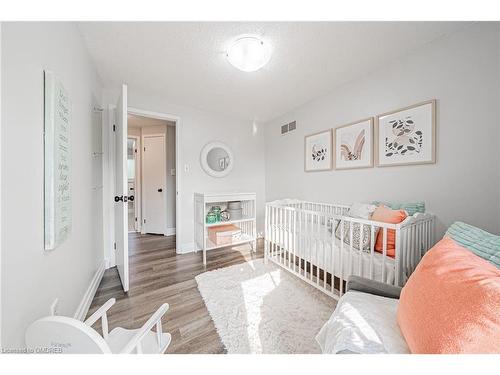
386, 215
451, 303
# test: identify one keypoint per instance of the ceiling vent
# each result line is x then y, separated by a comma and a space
285, 129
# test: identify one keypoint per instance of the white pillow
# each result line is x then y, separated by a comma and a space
363, 323
362, 210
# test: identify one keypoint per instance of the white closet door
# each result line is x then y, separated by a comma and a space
154, 177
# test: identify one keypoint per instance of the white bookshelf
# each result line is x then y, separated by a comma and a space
247, 223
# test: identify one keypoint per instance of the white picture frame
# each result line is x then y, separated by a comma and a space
57, 162
353, 145
407, 136
318, 151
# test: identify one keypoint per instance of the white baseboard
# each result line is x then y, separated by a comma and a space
185, 248
170, 232
84, 305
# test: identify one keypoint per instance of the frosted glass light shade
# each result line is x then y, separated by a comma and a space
249, 54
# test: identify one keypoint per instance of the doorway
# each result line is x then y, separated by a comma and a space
125, 138
154, 185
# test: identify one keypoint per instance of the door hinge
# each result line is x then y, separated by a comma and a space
144, 221
114, 245
114, 127
135, 219
144, 149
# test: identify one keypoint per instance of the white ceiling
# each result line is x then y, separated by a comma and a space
186, 64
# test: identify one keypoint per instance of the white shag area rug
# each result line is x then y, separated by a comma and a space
258, 308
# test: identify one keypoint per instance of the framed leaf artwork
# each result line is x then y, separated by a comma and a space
353, 145
318, 151
407, 136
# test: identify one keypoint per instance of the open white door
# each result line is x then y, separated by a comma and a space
121, 189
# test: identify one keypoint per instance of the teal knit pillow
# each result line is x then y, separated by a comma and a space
480, 242
411, 208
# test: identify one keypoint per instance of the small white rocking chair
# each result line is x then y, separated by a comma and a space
69, 335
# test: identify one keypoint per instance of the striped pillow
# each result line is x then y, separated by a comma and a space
480, 242
410, 208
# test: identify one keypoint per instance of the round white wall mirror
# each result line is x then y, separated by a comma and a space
217, 159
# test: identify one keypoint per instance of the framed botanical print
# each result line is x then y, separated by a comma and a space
353, 145
318, 151
407, 136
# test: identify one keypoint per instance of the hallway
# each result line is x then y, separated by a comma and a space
158, 275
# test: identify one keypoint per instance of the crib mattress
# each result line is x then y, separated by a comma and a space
316, 248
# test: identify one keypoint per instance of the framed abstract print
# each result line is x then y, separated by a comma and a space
318, 151
353, 145
407, 136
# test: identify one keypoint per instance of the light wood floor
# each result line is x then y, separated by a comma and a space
159, 275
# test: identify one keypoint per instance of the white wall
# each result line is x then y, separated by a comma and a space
197, 128
461, 72
31, 277
134, 131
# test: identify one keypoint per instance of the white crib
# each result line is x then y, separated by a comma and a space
300, 237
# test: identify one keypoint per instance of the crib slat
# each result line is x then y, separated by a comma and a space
372, 249
408, 250
276, 232
307, 248
384, 253
411, 247
341, 273
332, 250
403, 255
271, 228
320, 246
287, 247
426, 241
316, 245
414, 246
397, 256
295, 235
313, 243
287, 238
290, 235
351, 271
273, 231
282, 237
360, 248
325, 229
266, 234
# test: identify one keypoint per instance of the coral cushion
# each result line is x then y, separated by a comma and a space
386, 215
451, 303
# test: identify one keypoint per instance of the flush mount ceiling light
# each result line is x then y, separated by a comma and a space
249, 54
